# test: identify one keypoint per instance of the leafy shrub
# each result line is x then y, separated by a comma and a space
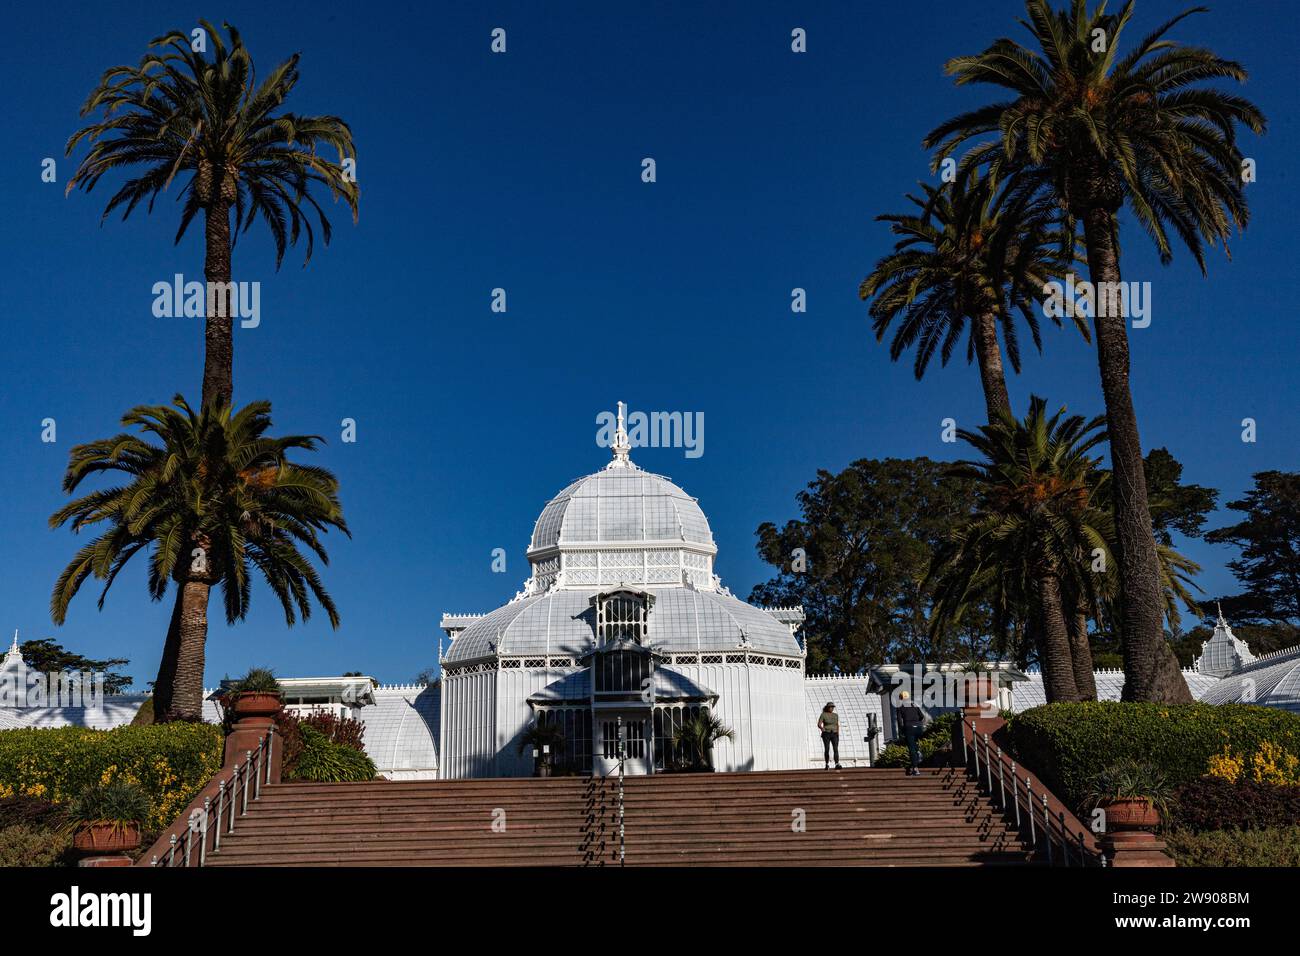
340, 730
24, 844
32, 812
1275, 846
1211, 803
170, 762
1067, 744
323, 761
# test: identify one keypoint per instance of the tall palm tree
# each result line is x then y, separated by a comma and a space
178, 113
1037, 512
970, 255
1099, 132
214, 500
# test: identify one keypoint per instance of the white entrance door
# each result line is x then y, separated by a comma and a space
638, 753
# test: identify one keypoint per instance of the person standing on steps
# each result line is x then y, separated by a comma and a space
911, 720
829, 724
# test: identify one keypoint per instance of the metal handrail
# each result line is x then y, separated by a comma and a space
1054, 833
232, 801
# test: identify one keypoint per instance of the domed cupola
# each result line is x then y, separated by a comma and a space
621, 526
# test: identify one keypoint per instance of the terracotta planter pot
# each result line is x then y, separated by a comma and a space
256, 704
106, 838
975, 692
1130, 813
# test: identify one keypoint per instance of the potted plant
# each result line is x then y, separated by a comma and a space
546, 740
107, 816
695, 738
1133, 795
256, 694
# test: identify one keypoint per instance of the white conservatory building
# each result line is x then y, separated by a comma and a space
622, 620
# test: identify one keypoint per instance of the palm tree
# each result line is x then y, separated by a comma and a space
1035, 516
541, 735
212, 501
1097, 132
696, 736
970, 255
178, 113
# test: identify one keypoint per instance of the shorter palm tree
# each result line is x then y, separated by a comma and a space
214, 500
1035, 519
966, 261
696, 736
545, 738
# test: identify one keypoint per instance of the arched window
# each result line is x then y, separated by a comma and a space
621, 616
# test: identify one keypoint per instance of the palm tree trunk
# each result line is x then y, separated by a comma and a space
1146, 674
164, 684
989, 355
1081, 651
1054, 647
218, 340
178, 692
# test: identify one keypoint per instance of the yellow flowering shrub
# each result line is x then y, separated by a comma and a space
1270, 763
171, 762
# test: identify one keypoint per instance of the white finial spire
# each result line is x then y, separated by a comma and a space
1220, 609
14, 649
621, 447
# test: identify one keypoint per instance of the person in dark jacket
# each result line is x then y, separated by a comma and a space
911, 720
829, 724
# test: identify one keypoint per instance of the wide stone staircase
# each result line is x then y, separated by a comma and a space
863, 817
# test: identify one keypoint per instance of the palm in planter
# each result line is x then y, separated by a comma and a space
107, 816
545, 738
215, 501
1133, 795
257, 693
696, 736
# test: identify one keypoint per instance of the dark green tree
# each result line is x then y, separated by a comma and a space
855, 559
1269, 539
46, 656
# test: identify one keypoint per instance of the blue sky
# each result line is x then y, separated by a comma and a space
522, 171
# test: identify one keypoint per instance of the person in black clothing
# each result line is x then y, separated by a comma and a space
911, 719
829, 724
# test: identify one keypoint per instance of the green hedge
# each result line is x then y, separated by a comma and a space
172, 762
1276, 846
1066, 744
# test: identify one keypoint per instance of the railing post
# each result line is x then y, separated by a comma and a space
171, 851
203, 832
988, 766
975, 749
1029, 803
1015, 794
1047, 829
1002, 784
221, 802
248, 766
270, 743
257, 776
234, 796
